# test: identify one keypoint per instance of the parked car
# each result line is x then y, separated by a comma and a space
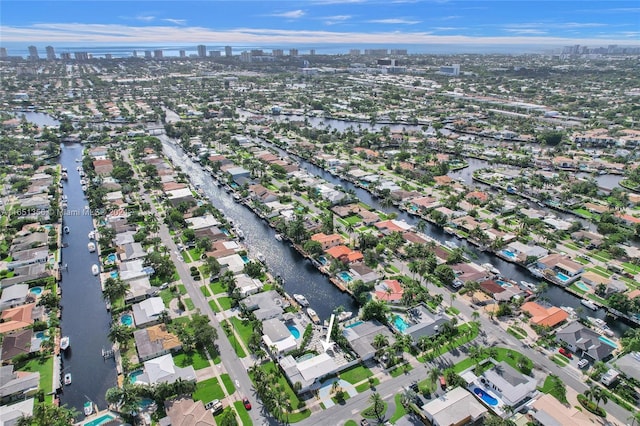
583, 363
566, 353
364, 422
414, 386
246, 403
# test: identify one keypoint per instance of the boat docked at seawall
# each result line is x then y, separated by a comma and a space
528, 285
66, 229
313, 315
600, 326
489, 267
261, 257
64, 343
301, 299
95, 269
67, 379
92, 235
91, 247
88, 408
278, 237
589, 304
344, 315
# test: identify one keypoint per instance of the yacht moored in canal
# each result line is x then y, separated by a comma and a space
64, 343
313, 315
91, 246
67, 379
589, 304
66, 229
88, 408
301, 299
95, 269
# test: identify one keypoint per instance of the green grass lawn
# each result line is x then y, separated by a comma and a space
166, 296
236, 346
298, 417
583, 212
400, 410
548, 387
42, 366
351, 423
581, 260
561, 360
182, 289
600, 271
189, 304
224, 302
575, 288
196, 359
515, 333
195, 253
243, 328
401, 369
208, 390
282, 381
356, 374
228, 383
214, 306
364, 386
205, 291
352, 220
368, 412
217, 288
242, 413
572, 246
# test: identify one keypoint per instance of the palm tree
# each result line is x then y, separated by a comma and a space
475, 315
114, 289
380, 341
120, 333
125, 399
407, 397
434, 375
453, 297
378, 405
595, 393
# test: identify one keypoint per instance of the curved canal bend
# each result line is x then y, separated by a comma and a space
299, 274
85, 318
556, 295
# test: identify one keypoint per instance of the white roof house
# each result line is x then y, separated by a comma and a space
148, 310
309, 371
164, 370
512, 386
455, 407
247, 285
14, 296
276, 334
10, 414
234, 263
202, 222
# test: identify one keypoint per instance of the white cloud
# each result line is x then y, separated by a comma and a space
176, 21
394, 21
145, 18
322, 2
292, 14
526, 31
336, 19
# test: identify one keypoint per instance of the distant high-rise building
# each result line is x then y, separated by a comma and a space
354, 52
376, 52
245, 56
148, 54
108, 56
81, 56
157, 54
65, 56
450, 69
228, 51
398, 51
293, 52
183, 53
312, 52
51, 53
135, 53
215, 53
33, 53
257, 52
3, 52
202, 51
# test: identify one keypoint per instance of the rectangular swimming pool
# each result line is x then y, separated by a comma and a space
400, 324
562, 277
100, 420
345, 276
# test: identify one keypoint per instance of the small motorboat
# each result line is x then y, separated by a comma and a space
301, 299
95, 269
344, 315
66, 229
64, 343
261, 257
92, 235
313, 315
88, 408
67, 379
589, 304
278, 237
240, 234
92, 247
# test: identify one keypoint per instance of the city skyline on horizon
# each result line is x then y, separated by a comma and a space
321, 24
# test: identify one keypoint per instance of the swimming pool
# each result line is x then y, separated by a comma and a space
294, 331
582, 286
345, 276
322, 260
508, 253
101, 420
608, 342
305, 357
133, 376
111, 257
245, 259
504, 284
485, 397
562, 277
41, 335
400, 324
36, 290
355, 324
114, 274
127, 320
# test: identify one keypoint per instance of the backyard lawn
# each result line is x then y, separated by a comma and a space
45, 368
196, 359
224, 302
208, 390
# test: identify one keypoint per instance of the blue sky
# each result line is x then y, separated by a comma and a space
320, 22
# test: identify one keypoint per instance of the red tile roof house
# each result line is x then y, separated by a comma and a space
103, 167
478, 195
389, 291
327, 241
345, 254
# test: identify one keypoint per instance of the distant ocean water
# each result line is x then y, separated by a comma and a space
123, 51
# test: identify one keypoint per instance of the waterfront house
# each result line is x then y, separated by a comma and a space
360, 337
544, 316
202, 222
524, 251
327, 241
28, 241
247, 285
18, 342
421, 322
239, 175
20, 317
455, 407
310, 372
155, 341
187, 412
178, 196
424, 204
512, 387
345, 254
277, 337
103, 167
16, 385
139, 289
584, 342
266, 305
360, 271
131, 251
234, 263
11, 414
164, 370
28, 257
148, 311
389, 291
14, 296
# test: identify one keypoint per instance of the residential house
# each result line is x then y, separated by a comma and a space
389, 291
513, 387
14, 296
424, 204
345, 254
544, 316
327, 241
178, 196
148, 311
584, 342
239, 175
11, 414
360, 337
456, 407
421, 322
28, 257
164, 370
155, 341
18, 342
266, 305
247, 285
187, 412
131, 251
20, 317
277, 337
103, 167
16, 385
523, 252
360, 271
548, 411
310, 372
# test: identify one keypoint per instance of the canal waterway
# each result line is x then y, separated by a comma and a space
554, 294
299, 274
85, 318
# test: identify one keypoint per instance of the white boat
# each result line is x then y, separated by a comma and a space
78, 160
344, 315
66, 229
95, 269
84, 188
67, 379
301, 299
451, 244
64, 343
278, 237
92, 247
313, 315
589, 304
88, 408
489, 267
261, 257
92, 235
527, 284
569, 310
240, 234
